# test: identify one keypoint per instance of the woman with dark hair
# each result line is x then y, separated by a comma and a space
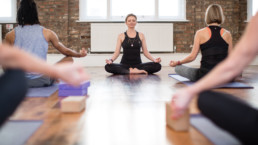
33, 38
214, 42
132, 42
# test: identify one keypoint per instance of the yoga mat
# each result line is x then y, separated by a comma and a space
17, 132
42, 92
215, 134
228, 85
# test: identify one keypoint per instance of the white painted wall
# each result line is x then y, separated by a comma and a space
92, 60
159, 36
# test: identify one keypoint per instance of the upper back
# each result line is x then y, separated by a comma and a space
31, 39
213, 33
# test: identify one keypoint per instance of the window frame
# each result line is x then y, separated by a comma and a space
12, 19
249, 9
111, 19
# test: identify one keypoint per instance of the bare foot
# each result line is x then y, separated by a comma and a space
137, 71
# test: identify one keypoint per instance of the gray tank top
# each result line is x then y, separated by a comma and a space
30, 38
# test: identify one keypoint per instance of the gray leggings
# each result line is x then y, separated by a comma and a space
43, 81
187, 72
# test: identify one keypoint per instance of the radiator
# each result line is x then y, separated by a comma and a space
159, 36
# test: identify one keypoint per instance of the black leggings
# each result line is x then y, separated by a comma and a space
13, 88
115, 68
231, 114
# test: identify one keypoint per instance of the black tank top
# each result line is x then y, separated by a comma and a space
213, 51
131, 50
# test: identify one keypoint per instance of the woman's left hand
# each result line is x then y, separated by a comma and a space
157, 60
83, 52
180, 102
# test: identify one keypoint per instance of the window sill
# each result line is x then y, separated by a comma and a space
120, 21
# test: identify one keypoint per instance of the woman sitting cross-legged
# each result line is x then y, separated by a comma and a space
215, 44
132, 42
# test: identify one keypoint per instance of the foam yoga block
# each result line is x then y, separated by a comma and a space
63, 93
181, 124
73, 104
68, 90
65, 86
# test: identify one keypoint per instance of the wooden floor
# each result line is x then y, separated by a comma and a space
121, 110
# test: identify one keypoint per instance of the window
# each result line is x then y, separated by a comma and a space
146, 10
252, 8
7, 11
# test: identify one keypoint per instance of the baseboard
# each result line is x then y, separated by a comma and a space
93, 60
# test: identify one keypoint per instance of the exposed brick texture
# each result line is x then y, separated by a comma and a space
61, 16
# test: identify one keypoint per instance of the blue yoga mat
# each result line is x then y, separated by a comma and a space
42, 92
17, 132
228, 85
215, 134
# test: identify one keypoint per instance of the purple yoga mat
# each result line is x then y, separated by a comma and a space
228, 85
18, 132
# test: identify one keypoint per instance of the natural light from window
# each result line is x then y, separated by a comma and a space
255, 7
138, 7
168, 8
5, 8
146, 10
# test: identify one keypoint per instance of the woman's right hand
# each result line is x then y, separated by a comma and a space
173, 63
109, 61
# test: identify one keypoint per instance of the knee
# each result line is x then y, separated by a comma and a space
157, 67
66, 59
108, 68
177, 69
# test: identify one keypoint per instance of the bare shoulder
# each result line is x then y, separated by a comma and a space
121, 37
10, 34
202, 31
141, 35
227, 33
10, 37
47, 31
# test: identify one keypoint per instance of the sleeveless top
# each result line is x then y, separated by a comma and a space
131, 50
30, 38
213, 51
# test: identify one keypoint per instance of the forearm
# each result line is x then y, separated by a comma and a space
12, 58
187, 59
115, 55
68, 52
148, 55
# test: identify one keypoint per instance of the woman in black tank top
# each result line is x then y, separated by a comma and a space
132, 42
214, 43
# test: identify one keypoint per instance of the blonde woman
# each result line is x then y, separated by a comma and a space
132, 42
214, 42
225, 110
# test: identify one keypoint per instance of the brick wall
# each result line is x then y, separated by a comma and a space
61, 16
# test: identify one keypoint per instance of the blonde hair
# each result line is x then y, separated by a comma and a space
214, 14
129, 15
